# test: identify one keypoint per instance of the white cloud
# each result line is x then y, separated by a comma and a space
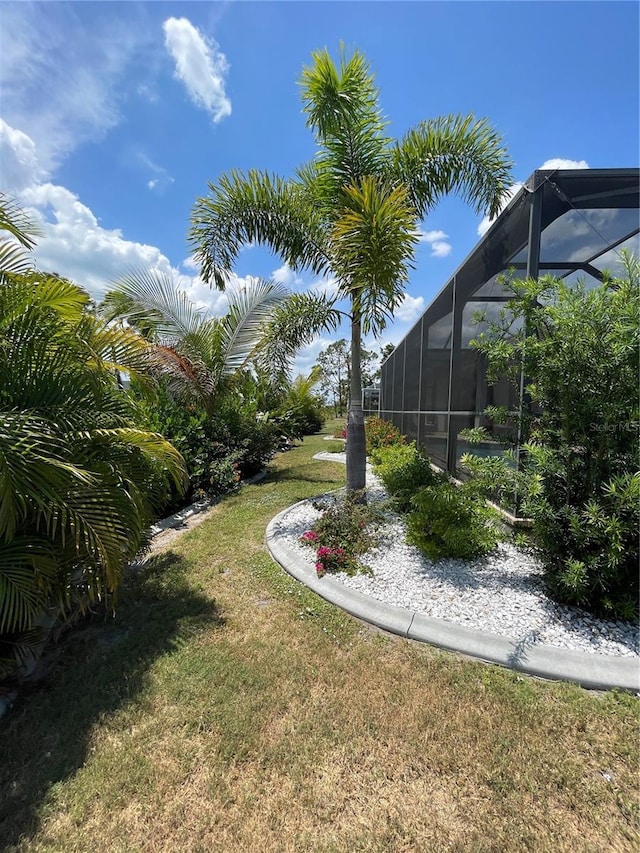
409, 309
74, 244
190, 263
19, 167
437, 240
62, 77
440, 249
560, 163
200, 65
286, 276
328, 286
145, 91
431, 236
214, 301
162, 178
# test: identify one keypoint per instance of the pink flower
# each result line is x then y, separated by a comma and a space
323, 551
320, 569
309, 536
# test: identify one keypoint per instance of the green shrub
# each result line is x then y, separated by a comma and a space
380, 433
589, 548
578, 346
451, 521
404, 469
343, 531
335, 447
218, 450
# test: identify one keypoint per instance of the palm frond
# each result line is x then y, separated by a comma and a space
14, 260
249, 311
27, 573
255, 208
342, 108
116, 348
35, 470
374, 241
16, 222
152, 445
37, 291
453, 154
148, 298
291, 326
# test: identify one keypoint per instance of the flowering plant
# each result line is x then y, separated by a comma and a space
381, 433
339, 535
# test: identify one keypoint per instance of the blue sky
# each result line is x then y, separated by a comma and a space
113, 116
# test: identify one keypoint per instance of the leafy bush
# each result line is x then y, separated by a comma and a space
579, 349
590, 549
451, 521
404, 469
218, 450
341, 533
381, 433
297, 421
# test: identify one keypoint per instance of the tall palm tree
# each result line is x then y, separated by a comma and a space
78, 480
353, 212
199, 355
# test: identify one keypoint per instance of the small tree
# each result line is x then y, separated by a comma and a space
579, 349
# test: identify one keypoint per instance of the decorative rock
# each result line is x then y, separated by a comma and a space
502, 593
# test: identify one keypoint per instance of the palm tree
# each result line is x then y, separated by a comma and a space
79, 482
201, 356
353, 212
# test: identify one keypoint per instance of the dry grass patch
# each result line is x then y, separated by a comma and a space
229, 709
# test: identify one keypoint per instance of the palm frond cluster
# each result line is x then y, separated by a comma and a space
201, 357
79, 480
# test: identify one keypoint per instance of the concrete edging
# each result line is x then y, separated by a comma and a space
197, 508
596, 672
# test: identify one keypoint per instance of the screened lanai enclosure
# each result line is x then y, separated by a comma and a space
571, 224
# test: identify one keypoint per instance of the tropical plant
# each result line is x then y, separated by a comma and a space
579, 478
300, 411
353, 211
79, 481
202, 356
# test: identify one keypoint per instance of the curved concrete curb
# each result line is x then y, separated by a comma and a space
598, 672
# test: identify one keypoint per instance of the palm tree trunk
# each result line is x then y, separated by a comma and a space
356, 445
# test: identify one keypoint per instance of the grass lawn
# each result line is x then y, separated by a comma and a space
226, 708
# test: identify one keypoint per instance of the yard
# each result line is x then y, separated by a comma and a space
226, 708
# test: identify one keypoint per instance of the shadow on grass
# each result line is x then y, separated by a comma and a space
102, 668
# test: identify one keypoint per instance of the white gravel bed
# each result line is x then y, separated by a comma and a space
502, 594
